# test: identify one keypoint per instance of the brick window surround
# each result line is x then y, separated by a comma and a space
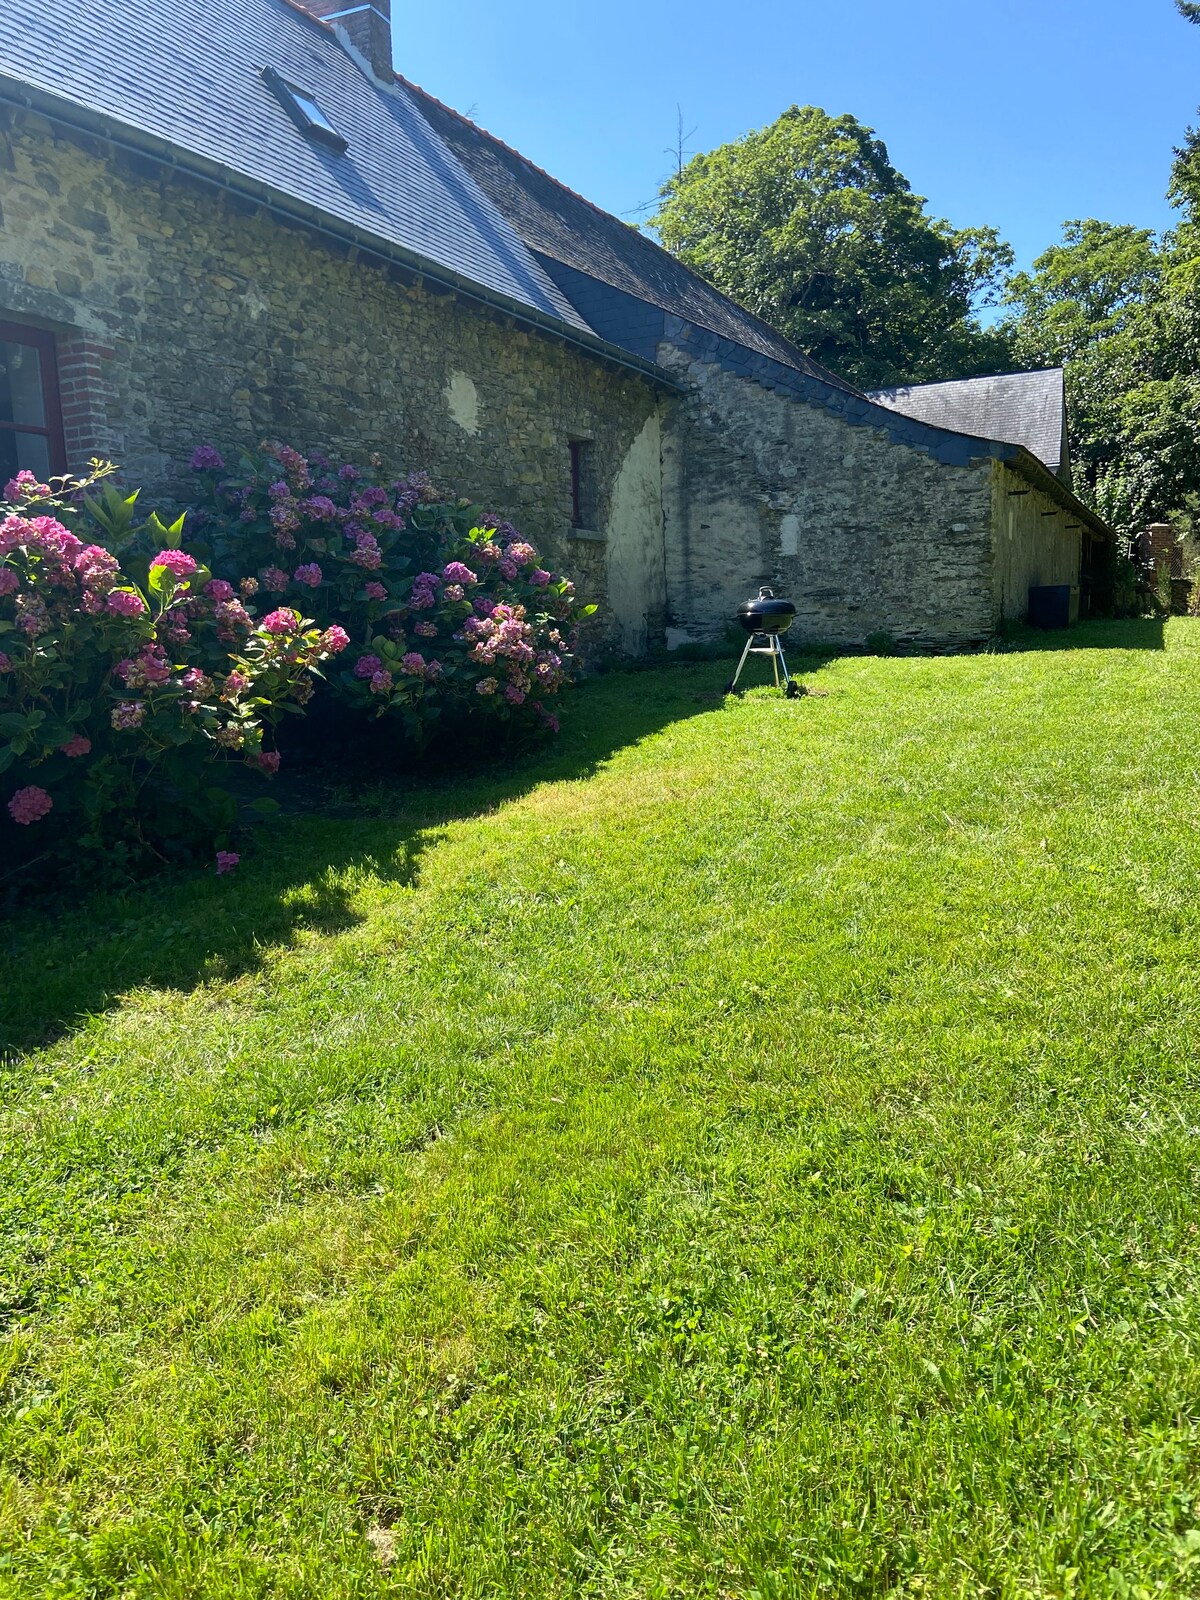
83, 363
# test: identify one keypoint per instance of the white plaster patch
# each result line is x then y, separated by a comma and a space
463, 402
636, 583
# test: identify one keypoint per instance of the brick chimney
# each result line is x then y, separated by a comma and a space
366, 23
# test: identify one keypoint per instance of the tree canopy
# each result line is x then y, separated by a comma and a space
808, 224
1108, 303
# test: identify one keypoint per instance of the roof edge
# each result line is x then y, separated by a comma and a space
1038, 474
69, 113
977, 377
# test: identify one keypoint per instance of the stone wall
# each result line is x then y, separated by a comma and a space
866, 534
1035, 541
188, 315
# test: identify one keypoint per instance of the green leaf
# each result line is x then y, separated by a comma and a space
168, 535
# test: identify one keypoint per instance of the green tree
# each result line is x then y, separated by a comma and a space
1107, 304
808, 224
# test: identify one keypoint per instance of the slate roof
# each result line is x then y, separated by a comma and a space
1026, 408
557, 223
188, 73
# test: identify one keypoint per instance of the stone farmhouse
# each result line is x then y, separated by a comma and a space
223, 220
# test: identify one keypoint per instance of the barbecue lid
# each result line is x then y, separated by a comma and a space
766, 612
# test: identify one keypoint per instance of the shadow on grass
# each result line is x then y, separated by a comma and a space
1130, 633
191, 927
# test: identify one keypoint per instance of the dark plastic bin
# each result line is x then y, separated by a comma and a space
1054, 605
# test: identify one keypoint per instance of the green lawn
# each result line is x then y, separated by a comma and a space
751, 1149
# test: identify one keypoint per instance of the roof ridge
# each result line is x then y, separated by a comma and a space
513, 151
975, 377
825, 374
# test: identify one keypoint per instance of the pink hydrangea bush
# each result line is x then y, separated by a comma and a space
123, 678
449, 613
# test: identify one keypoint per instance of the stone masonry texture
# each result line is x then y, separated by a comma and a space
865, 535
186, 316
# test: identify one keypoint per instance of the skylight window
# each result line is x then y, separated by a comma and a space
302, 106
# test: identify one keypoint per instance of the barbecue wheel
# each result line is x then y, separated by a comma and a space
793, 690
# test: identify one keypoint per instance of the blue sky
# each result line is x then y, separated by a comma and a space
1021, 113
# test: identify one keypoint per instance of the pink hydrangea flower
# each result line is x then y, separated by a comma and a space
231, 615
177, 562
335, 640
282, 621
521, 552
427, 630
486, 686
309, 575
275, 579
128, 715
5, 662
227, 860
122, 603
367, 666
507, 569
218, 589
24, 484
206, 459
29, 805
375, 591
539, 578
455, 591
96, 567
78, 746
8, 580
513, 695
268, 761
366, 552
458, 572
236, 683
321, 507
413, 663
381, 682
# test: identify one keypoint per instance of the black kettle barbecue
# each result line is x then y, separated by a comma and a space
766, 617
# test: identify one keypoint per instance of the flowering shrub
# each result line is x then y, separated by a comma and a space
448, 612
126, 669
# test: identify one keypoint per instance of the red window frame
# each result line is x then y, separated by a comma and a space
53, 432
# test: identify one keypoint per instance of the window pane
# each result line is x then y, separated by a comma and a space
311, 109
21, 398
23, 451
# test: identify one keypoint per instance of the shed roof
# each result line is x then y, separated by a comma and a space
1026, 408
188, 73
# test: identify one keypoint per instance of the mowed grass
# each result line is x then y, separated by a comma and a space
750, 1150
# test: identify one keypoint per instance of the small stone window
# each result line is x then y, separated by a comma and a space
302, 106
31, 424
583, 483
